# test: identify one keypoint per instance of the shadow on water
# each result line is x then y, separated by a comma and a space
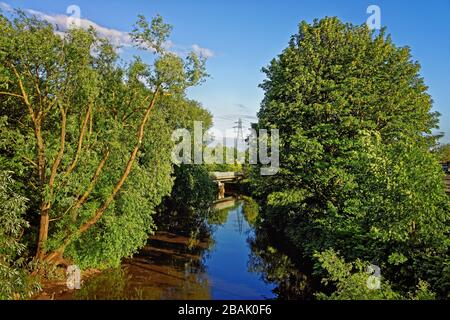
167, 268
235, 262
278, 268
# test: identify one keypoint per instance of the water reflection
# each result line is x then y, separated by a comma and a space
235, 262
167, 268
227, 264
278, 268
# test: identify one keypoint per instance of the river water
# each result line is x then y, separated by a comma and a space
235, 262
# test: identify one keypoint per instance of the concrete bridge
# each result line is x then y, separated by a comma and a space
222, 178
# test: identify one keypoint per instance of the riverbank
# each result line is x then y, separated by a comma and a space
155, 267
58, 290
235, 262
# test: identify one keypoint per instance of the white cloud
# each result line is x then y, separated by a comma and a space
203, 52
117, 37
5, 6
63, 22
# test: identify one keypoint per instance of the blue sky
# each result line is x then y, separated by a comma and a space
243, 36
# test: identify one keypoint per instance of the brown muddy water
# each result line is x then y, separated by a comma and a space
236, 262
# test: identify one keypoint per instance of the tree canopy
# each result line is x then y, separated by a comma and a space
88, 136
443, 152
356, 172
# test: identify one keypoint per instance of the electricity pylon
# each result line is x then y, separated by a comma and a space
239, 134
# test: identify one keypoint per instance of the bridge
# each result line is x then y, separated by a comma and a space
222, 178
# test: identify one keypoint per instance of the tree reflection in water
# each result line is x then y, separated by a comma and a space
245, 258
278, 268
167, 268
273, 265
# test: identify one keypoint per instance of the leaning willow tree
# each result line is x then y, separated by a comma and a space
88, 138
356, 171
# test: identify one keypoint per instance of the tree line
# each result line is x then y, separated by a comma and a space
85, 143
85, 155
359, 182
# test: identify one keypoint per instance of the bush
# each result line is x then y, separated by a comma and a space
356, 169
352, 282
189, 206
15, 280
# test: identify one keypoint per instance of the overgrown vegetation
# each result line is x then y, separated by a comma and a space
353, 282
87, 138
15, 281
356, 174
189, 207
443, 152
220, 162
86, 173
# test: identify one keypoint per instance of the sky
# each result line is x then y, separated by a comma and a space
241, 37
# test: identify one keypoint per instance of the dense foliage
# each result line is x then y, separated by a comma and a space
88, 137
219, 164
356, 174
443, 152
351, 282
189, 207
15, 281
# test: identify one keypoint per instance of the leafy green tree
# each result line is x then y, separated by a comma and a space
224, 167
15, 281
88, 138
351, 281
187, 210
443, 152
356, 172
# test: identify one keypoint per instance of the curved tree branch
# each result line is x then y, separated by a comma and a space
80, 143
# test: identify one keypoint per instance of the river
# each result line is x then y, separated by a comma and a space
235, 262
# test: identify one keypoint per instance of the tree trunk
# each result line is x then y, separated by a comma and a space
140, 137
43, 234
57, 255
45, 219
45, 203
